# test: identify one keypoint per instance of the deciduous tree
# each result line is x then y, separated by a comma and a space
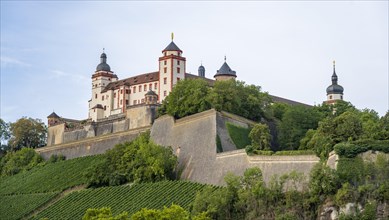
27, 132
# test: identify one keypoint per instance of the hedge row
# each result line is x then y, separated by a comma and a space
283, 153
352, 149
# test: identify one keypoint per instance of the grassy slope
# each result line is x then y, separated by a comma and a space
16, 206
24, 192
239, 135
124, 198
49, 178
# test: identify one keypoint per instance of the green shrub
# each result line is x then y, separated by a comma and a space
352, 149
24, 159
239, 135
295, 152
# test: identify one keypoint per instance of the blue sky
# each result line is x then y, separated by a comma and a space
49, 50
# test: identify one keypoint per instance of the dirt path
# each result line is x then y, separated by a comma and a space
54, 200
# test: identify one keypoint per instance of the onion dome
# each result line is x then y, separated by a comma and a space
335, 88
225, 70
103, 66
201, 71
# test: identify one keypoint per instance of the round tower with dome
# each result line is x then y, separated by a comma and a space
225, 72
334, 91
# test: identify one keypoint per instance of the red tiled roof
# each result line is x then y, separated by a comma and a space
135, 80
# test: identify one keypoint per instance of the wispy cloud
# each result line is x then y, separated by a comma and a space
9, 61
61, 74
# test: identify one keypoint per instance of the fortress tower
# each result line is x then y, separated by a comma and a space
334, 91
225, 72
171, 69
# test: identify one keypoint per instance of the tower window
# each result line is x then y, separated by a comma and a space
341, 97
330, 96
178, 69
178, 62
165, 80
165, 62
164, 70
95, 96
164, 93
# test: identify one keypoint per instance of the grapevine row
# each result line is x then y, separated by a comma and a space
124, 198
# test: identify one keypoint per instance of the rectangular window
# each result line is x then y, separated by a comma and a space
114, 95
164, 93
150, 86
155, 86
140, 88
96, 96
134, 89
178, 62
121, 91
102, 98
145, 88
178, 69
165, 69
128, 91
105, 107
126, 102
165, 62
165, 80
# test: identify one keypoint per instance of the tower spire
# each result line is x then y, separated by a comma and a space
172, 36
334, 77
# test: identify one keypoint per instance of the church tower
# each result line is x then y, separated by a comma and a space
334, 91
171, 69
100, 79
201, 71
225, 72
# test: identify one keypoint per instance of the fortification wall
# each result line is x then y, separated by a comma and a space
141, 115
193, 139
90, 146
55, 134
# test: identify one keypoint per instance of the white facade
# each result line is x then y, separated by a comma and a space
111, 96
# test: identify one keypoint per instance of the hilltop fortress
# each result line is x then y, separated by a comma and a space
120, 109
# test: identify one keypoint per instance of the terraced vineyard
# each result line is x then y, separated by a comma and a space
49, 178
16, 206
24, 192
124, 198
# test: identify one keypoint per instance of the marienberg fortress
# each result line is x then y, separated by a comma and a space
119, 110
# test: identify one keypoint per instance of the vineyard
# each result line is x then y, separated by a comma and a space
124, 198
48, 178
16, 206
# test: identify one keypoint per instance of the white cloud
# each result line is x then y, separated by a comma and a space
8, 61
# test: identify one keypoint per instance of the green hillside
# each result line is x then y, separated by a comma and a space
22, 193
28, 191
16, 206
124, 198
48, 178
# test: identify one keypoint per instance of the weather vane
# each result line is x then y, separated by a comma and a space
172, 36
